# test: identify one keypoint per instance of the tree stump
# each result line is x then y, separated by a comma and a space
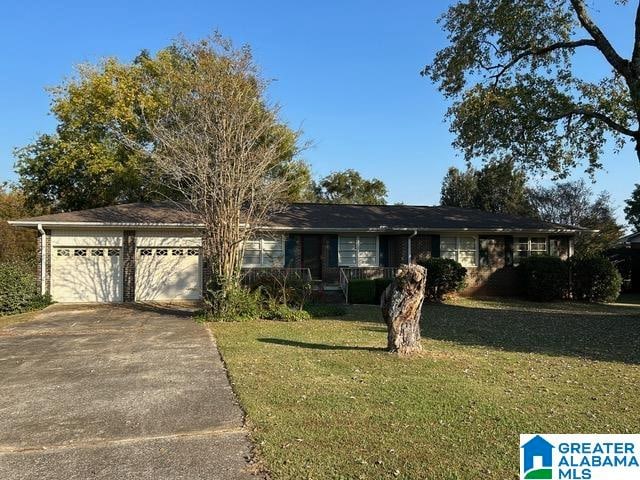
401, 308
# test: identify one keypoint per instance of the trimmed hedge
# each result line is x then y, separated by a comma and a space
381, 286
362, 291
544, 278
444, 276
18, 289
595, 279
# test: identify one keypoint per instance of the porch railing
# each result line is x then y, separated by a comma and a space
253, 275
363, 273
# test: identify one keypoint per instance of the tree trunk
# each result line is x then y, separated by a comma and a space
401, 308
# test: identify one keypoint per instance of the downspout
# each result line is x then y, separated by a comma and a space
415, 232
43, 259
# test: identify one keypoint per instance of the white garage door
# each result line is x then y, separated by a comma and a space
86, 267
168, 267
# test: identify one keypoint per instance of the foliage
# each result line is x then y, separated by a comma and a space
324, 310
381, 285
508, 71
362, 291
85, 163
484, 360
18, 244
283, 286
444, 276
572, 203
18, 289
632, 208
232, 304
544, 278
595, 279
278, 311
349, 186
498, 187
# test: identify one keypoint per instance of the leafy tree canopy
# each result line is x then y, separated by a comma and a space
632, 209
498, 187
508, 72
349, 186
573, 203
85, 163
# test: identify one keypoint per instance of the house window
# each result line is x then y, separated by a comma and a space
358, 251
113, 252
192, 252
529, 247
463, 249
161, 252
80, 252
264, 251
146, 252
63, 252
97, 252
177, 252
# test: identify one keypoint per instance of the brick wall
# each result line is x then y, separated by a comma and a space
39, 262
129, 265
48, 262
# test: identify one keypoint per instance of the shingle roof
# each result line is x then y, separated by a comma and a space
315, 216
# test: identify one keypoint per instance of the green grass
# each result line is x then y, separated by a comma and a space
324, 400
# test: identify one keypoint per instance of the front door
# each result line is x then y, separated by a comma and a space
311, 258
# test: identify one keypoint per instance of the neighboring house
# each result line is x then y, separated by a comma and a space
626, 256
630, 241
146, 252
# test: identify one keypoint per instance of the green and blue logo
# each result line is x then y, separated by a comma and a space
536, 459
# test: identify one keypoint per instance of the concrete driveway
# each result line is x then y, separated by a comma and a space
116, 392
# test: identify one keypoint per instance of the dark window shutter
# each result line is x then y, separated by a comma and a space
333, 251
383, 243
290, 250
508, 250
435, 245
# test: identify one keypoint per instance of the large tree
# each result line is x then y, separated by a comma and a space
573, 203
83, 164
348, 186
497, 187
632, 208
219, 143
508, 71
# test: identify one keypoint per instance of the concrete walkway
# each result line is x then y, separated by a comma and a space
115, 392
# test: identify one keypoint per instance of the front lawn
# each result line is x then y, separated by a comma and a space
326, 401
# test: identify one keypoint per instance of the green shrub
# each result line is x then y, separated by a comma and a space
278, 311
233, 304
444, 276
544, 278
18, 289
317, 310
381, 285
285, 287
595, 279
362, 291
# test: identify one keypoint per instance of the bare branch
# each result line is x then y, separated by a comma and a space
602, 43
532, 51
586, 113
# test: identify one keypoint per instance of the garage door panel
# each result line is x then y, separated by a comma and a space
65, 238
165, 274
86, 274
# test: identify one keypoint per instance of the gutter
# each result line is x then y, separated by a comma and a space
43, 259
415, 232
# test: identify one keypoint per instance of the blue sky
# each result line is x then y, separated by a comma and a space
347, 73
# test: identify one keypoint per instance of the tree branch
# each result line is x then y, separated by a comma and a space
635, 56
602, 43
586, 113
526, 52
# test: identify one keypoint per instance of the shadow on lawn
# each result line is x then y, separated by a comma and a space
317, 346
571, 333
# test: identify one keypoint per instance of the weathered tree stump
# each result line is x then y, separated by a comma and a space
401, 308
